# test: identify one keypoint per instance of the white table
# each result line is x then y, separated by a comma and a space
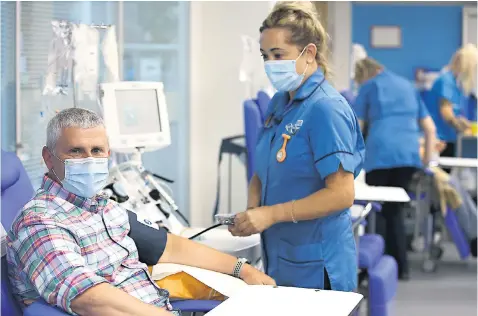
364, 192
458, 162
284, 301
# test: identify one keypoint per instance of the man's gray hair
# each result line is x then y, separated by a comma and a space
72, 117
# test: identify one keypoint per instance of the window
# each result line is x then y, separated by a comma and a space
155, 49
36, 33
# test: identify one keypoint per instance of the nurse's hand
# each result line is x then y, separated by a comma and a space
253, 276
253, 221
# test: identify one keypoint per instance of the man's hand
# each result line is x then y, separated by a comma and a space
253, 276
253, 221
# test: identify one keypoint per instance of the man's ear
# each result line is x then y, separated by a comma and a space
47, 157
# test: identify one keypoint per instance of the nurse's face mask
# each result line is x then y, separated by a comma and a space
84, 177
283, 74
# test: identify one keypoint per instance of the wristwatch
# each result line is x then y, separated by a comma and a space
237, 268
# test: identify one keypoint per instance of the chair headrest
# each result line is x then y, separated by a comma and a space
11, 166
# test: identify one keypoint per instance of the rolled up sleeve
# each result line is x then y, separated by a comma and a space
52, 261
336, 139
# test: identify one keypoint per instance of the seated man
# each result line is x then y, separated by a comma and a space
83, 252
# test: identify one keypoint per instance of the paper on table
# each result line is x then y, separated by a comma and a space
259, 300
224, 284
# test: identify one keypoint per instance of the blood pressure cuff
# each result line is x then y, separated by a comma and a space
150, 241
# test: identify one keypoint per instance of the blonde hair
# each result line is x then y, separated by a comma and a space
463, 65
366, 68
302, 20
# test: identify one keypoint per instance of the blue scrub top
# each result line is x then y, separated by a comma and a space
392, 108
324, 134
445, 87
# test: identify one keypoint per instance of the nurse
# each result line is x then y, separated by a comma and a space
395, 115
450, 93
307, 156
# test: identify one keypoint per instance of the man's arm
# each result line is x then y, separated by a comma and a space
156, 246
105, 299
51, 258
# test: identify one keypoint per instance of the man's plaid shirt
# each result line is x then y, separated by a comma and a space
61, 245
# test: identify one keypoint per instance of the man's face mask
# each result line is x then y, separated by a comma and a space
84, 177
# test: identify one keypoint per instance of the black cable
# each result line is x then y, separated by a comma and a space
154, 194
205, 231
160, 177
183, 217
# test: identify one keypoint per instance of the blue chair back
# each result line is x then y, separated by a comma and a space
17, 190
252, 126
262, 101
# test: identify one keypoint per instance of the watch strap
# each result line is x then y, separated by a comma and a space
237, 268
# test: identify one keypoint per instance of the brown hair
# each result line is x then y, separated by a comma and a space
302, 20
366, 68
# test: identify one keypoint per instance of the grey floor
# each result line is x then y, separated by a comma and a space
451, 290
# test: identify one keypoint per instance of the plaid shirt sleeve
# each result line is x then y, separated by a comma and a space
51, 259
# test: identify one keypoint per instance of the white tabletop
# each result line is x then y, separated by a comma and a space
364, 192
458, 162
285, 301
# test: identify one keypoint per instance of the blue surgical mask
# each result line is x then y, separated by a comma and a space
85, 177
283, 74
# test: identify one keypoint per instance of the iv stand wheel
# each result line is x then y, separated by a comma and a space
429, 266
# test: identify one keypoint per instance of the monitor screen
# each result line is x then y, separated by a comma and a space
138, 112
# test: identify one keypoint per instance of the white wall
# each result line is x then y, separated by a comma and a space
340, 31
216, 97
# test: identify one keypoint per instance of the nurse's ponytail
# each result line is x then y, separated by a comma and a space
301, 18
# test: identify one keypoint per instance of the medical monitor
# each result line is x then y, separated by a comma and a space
135, 116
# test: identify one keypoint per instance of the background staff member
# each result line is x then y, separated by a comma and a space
393, 110
449, 94
307, 156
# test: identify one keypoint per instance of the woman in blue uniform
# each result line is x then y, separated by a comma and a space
307, 156
449, 96
393, 111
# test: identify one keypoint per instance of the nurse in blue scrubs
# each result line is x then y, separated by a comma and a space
308, 154
449, 95
395, 117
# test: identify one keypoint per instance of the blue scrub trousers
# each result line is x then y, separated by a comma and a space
391, 220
